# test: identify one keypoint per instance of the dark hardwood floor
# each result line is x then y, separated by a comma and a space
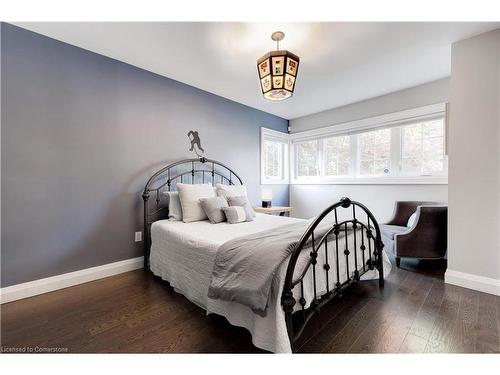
135, 312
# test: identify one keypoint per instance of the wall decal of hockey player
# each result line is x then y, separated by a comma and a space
195, 141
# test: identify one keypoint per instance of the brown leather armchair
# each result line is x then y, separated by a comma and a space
425, 239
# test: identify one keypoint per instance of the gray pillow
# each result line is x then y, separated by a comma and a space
242, 202
213, 209
235, 214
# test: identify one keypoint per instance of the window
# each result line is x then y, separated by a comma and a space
403, 147
337, 155
375, 153
307, 158
422, 148
274, 157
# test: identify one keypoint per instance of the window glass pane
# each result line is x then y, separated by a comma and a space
411, 165
366, 166
307, 159
375, 152
337, 155
422, 147
273, 159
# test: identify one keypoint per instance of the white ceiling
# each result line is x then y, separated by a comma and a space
341, 63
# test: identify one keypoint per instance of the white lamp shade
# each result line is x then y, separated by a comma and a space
267, 194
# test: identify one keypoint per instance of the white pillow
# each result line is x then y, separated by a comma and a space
226, 191
174, 205
411, 220
190, 195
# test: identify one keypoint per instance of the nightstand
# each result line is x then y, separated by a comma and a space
273, 210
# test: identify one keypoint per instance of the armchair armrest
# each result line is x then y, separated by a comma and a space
403, 210
427, 238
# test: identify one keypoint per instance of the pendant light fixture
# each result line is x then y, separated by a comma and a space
278, 71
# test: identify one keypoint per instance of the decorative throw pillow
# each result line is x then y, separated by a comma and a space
235, 214
174, 205
190, 195
242, 202
412, 219
213, 209
227, 191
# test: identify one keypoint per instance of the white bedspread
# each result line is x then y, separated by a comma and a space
183, 254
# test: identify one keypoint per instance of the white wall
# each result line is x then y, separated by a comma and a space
418, 96
309, 200
474, 166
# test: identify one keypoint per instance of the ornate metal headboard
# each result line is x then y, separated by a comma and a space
190, 171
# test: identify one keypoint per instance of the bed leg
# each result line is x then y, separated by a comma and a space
146, 259
381, 273
287, 302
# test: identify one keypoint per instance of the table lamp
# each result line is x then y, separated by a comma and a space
267, 196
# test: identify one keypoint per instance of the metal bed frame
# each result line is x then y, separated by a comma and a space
205, 170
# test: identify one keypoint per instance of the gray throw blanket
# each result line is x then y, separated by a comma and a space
244, 267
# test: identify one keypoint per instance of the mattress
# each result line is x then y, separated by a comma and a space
183, 254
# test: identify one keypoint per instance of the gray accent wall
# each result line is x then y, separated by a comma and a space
80, 135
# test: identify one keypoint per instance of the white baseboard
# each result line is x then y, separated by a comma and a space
49, 284
470, 281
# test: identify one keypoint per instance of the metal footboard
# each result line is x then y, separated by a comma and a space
366, 238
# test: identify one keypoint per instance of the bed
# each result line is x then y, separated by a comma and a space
321, 266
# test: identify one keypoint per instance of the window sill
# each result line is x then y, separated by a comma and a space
416, 180
274, 182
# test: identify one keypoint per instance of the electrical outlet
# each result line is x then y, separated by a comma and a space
138, 236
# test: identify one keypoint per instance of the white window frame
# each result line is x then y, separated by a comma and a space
276, 136
393, 121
